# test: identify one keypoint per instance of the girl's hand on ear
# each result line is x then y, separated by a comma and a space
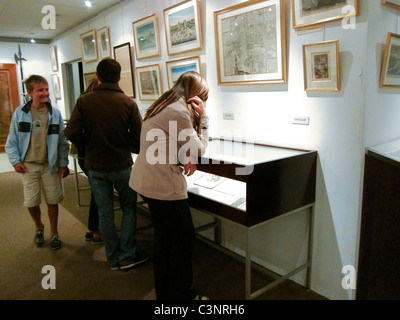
197, 104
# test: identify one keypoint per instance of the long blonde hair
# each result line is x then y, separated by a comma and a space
188, 85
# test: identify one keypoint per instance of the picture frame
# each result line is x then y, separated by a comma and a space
123, 54
176, 67
149, 82
89, 46
309, 13
55, 80
251, 43
183, 27
103, 36
395, 4
321, 63
147, 37
53, 58
88, 77
390, 71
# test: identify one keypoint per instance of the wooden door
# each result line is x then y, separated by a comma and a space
9, 99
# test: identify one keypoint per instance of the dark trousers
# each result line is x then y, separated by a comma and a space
174, 238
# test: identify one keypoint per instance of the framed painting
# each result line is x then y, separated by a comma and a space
55, 80
251, 43
103, 36
123, 54
147, 37
88, 77
183, 27
311, 12
392, 3
176, 67
390, 72
149, 82
322, 66
53, 58
89, 46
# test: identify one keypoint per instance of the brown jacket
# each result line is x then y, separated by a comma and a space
107, 124
157, 173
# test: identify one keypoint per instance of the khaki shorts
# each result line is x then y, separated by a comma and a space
36, 177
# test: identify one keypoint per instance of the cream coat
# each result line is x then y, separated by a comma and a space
157, 173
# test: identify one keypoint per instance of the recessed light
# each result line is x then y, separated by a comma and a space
33, 40
88, 4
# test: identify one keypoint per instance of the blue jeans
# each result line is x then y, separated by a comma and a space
119, 249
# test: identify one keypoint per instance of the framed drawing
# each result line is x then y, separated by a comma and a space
390, 72
322, 66
311, 12
53, 58
147, 37
123, 54
56, 86
176, 67
89, 46
183, 27
88, 77
251, 43
103, 35
149, 82
392, 3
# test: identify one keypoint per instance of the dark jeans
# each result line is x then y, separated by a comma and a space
174, 237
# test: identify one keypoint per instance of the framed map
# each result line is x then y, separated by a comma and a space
149, 82
122, 53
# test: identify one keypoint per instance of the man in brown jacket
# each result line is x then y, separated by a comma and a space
107, 124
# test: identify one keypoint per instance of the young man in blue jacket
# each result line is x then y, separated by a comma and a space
37, 148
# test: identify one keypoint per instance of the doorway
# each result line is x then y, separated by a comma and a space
72, 74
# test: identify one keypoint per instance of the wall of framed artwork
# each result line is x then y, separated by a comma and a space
176, 67
88, 43
251, 43
390, 71
53, 58
322, 66
103, 36
55, 80
149, 82
182, 25
123, 54
88, 77
391, 3
147, 37
308, 13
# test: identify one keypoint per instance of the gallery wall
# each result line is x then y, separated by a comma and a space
341, 125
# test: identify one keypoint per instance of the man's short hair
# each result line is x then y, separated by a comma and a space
32, 80
109, 70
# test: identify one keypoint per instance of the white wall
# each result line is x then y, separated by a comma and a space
264, 113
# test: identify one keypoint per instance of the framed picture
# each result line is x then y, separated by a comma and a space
322, 66
147, 37
311, 12
183, 27
176, 67
392, 3
88, 77
103, 35
53, 58
149, 82
251, 43
56, 86
89, 46
390, 73
123, 54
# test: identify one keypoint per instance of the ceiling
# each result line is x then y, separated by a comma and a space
21, 20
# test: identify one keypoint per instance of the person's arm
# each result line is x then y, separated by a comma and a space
12, 146
135, 129
63, 150
74, 129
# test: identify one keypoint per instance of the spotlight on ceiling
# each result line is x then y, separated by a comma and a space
33, 40
88, 4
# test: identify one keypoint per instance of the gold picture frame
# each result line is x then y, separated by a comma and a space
251, 43
308, 13
321, 63
88, 77
183, 27
89, 46
176, 67
123, 54
390, 71
395, 4
103, 36
149, 82
147, 37
53, 58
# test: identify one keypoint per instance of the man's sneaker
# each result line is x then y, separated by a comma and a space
115, 268
138, 259
55, 242
39, 238
200, 297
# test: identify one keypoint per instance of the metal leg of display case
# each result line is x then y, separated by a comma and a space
77, 188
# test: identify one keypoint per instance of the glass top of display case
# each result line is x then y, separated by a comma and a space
389, 150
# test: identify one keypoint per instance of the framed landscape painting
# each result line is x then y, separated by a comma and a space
390, 72
392, 3
322, 66
89, 46
149, 82
103, 36
147, 37
176, 67
183, 27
